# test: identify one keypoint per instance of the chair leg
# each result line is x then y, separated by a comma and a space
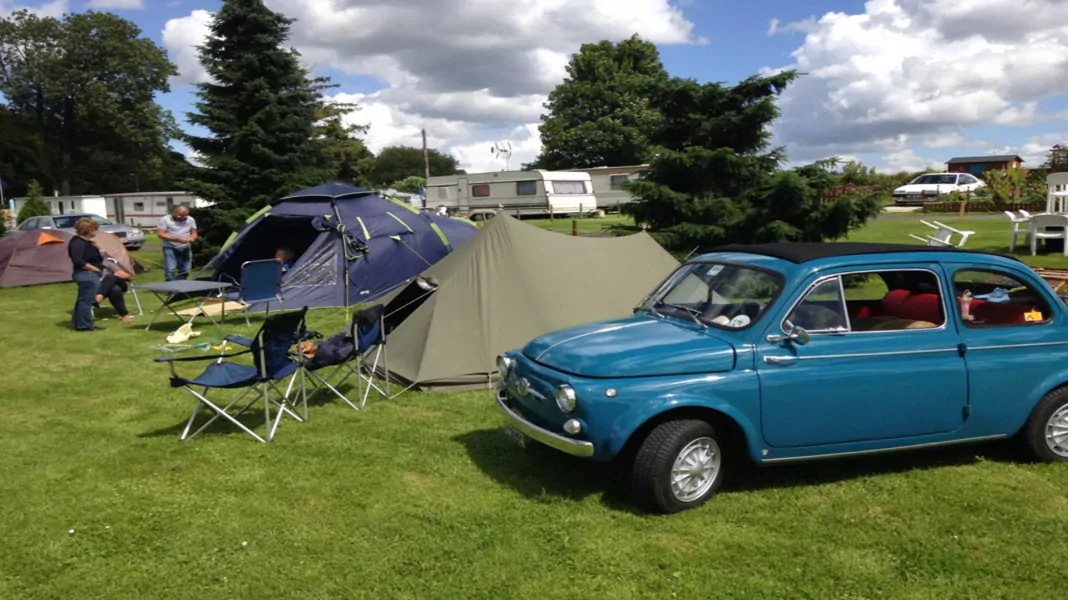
1012, 242
137, 301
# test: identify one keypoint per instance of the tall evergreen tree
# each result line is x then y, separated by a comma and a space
713, 180
260, 108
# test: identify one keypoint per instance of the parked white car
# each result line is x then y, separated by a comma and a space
929, 186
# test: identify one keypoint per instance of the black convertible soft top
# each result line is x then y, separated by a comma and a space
802, 252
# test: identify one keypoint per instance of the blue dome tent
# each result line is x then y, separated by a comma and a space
351, 245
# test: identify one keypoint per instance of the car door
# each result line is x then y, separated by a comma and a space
882, 361
1015, 340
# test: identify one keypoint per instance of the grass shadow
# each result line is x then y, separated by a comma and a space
253, 418
542, 474
747, 476
538, 472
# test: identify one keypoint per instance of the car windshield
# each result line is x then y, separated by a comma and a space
728, 296
936, 179
68, 221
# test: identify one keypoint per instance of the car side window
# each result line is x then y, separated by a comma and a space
821, 311
869, 301
992, 298
894, 300
28, 224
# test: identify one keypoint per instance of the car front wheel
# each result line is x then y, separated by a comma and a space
678, 466
1046, 432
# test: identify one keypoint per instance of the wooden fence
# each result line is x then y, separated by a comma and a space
837, 192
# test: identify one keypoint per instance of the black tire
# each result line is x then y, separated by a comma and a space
1034, 432
134, 249
653, 463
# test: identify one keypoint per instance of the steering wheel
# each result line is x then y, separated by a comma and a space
752, 308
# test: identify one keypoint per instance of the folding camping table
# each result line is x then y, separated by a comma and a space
184, 290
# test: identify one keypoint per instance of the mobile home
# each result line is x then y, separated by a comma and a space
144, 209
518, 192
608, 183
68, 205
139, 209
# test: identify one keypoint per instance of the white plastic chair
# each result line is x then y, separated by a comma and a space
1056, 192
1037, 230
1016, 231
943, 235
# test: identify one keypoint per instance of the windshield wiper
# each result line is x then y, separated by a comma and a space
691, 312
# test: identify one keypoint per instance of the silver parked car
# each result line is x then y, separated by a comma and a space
132, 237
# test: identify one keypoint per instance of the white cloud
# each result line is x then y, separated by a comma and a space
181, 37
908, 160
116, 4
923, 70
471, 72
1035, 149
54, 9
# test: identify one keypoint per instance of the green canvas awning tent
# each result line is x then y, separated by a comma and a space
508, 284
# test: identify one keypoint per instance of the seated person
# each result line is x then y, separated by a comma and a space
112, 286
285, 256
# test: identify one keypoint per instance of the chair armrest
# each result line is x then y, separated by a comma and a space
170, 359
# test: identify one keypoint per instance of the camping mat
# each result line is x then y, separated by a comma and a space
212, 309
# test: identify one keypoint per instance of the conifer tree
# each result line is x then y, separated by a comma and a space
260, 109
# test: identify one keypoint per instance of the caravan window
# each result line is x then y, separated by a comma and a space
480, 191
526, 188
443, 193
569, 187
615, 182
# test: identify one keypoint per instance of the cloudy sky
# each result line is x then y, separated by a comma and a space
899, 84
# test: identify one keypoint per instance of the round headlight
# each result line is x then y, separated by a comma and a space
504, 365
565, 397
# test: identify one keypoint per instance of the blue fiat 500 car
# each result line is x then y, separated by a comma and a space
792, 352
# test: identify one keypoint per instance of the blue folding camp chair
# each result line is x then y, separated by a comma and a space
272, 362
261, 283
367, 335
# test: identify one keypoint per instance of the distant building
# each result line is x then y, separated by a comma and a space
144, 209
977, 165
139, 209
608, 183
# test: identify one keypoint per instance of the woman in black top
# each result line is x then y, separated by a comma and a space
88, 267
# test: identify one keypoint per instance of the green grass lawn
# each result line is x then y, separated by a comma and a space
424, 497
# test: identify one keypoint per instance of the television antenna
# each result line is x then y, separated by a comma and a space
502, 150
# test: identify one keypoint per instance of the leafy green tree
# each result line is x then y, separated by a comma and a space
602, 114
261, 110
354, 161
397, 162
35, 204
409, 184
84, 89
712, 179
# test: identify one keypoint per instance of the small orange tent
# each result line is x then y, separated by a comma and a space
39, 256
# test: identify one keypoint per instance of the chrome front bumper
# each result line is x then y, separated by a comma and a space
550, 439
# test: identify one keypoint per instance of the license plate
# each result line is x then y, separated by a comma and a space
516, 436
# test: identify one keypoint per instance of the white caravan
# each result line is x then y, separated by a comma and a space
608, 183
68, 205
517, 192
144, 209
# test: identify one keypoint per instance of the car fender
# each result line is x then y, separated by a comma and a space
631, 421
1057, 379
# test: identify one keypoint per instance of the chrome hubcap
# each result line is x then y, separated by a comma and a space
696, 469
1057, 432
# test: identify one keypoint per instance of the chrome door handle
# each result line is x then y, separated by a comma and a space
779, 360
